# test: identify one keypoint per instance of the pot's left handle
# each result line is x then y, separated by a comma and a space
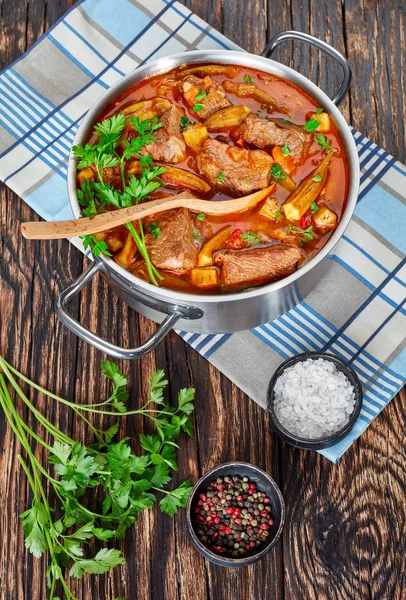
319, 45
93, 339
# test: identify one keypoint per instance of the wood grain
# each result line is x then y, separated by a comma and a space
345, 531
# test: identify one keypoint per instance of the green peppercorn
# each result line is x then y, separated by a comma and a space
236, 545
254, 522
261, 506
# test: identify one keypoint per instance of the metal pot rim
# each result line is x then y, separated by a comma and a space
165, 64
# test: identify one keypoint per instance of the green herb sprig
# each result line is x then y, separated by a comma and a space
304, 235
250, 237
94, 197
128, 481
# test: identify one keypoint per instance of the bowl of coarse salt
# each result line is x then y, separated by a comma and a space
314, 400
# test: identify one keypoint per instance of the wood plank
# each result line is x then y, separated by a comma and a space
344, 536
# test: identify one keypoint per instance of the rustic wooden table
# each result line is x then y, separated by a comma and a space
345, 529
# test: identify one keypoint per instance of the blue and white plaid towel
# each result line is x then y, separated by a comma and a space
359, 312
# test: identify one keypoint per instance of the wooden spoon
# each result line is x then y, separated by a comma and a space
52, 230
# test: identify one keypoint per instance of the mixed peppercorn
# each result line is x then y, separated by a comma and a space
233, 517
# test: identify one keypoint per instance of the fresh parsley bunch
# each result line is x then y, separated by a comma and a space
127, 481
96, 196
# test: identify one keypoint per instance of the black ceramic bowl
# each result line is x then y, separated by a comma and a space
315, 443
265, 483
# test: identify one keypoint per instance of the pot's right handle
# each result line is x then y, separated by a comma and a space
124, 353
320, 45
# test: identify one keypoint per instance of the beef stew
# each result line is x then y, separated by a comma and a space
219, 132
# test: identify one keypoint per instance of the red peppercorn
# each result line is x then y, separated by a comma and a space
239, 498
264, 526
220, 487
200, 502
227, 530
215, 534
266, 500
264, 513
216, 519
209, 502
238, 521
229, 510
202, 496
213, 513
236, 511
238, 539
222, 527
252, 545
271, 521
201, 519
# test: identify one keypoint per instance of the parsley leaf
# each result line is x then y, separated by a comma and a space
277, 172
317, 178
151, 443
184, 122
201, 217
285, 150
103, 561
98, 248
220, 176
250, 237
198, 107
154, 229
304, 235
248, 79
195, 235
324, 143
314, 208
175, 499
311, 125
319, 111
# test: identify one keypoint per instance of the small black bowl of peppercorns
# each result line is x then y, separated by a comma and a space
235, 514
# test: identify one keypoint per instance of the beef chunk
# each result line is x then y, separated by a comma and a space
173, 249
248, 268
170, 147
244, 170
265, 132
214, 100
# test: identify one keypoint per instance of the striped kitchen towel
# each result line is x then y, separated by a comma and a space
358, 313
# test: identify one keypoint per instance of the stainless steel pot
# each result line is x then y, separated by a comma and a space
216, 313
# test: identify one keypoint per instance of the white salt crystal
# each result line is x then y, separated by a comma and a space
313, 398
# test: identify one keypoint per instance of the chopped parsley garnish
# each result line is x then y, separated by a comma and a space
278, 216
277, 172
184, 122
201, 95
89, 241
250, 237
319, 111
311, 125
304, 235
154, 229
317, 178
314, 208
195, 235
197, 107
220, 176
324, 143
285, 150
248, 79
201, 217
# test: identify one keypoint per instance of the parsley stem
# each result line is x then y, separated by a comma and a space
56, 433
152, 272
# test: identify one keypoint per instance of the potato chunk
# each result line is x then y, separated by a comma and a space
205, 278
126, 256
270, 209
325, 219
195, 136
324, 121
205, 257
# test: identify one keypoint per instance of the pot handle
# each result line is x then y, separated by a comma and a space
93, 339
320, 45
